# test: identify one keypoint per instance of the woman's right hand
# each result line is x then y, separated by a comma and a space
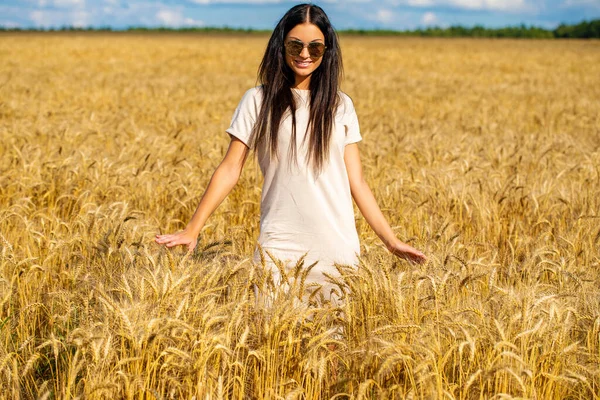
183, 238
222, 182
405, 251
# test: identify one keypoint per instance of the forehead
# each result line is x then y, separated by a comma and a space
306, 32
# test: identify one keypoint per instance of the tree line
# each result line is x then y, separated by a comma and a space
583, 30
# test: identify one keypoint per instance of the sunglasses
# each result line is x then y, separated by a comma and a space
294, 48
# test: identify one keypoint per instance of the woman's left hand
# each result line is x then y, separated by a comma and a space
407, 252
370, 210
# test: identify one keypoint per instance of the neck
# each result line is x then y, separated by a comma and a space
302, 83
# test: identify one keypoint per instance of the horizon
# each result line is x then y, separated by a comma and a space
259, 30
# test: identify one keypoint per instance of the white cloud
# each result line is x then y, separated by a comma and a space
469, 4
80, 19
500, 5
9, 24
175, 18
168, 17
239, 1
429, 18
385, 16
52, 18
69, 3
420, 3
503, 5
40, 18
582, 3
508, 5
193, 22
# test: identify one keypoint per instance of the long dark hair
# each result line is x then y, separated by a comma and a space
277, 78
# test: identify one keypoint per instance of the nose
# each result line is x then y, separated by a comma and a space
304, 53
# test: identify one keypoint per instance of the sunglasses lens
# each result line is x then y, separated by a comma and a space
316, 49
294, 47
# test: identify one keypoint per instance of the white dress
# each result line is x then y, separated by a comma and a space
300, 213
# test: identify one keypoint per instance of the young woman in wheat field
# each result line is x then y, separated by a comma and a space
304, 131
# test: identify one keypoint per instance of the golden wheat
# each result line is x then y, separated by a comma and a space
483, 153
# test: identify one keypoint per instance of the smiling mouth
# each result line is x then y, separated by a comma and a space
302, 63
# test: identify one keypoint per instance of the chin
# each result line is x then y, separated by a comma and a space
303, 73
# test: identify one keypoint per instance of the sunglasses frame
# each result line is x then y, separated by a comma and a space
316, 45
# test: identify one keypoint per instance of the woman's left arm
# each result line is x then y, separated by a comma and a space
370, 210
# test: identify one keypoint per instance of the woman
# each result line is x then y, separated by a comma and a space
304, 132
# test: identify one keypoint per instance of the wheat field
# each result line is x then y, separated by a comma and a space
485, 154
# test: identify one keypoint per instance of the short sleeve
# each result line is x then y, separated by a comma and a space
350, 120
245, 115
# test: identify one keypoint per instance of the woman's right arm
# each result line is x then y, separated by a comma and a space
222, 182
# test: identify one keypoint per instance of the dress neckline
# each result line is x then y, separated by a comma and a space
303, 93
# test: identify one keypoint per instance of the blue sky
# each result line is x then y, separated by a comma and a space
264, 14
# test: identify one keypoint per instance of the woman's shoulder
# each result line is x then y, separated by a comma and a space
254, 93
251, 99
345, 97
346, 105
